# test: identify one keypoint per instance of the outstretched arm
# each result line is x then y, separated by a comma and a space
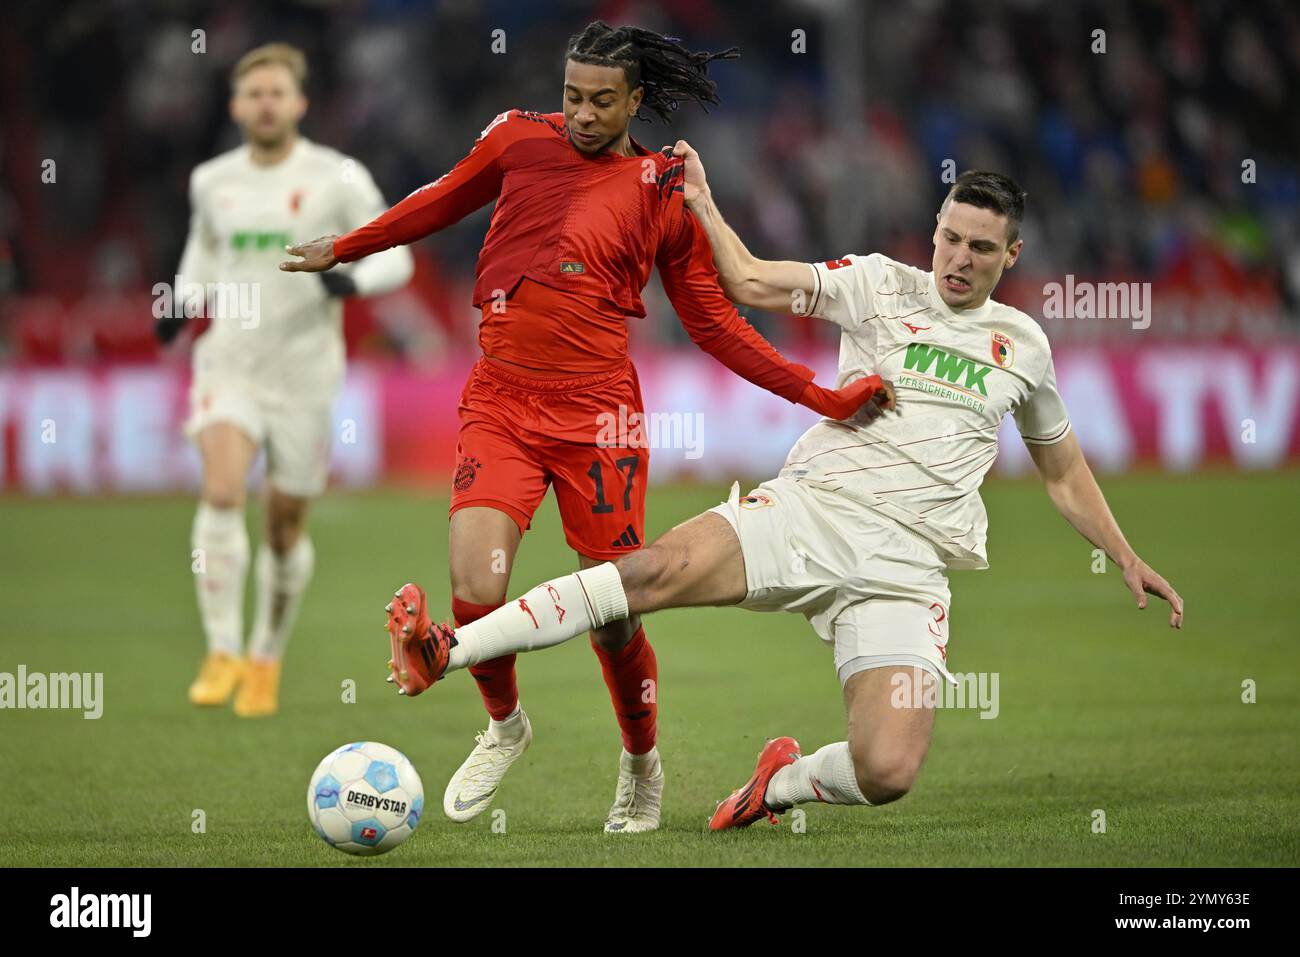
380, 272
691, 282
777, 285
472, 183
1074, 491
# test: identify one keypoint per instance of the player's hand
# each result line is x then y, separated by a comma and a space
842, 403
694, 184
883, 401
1142, 580
317, 256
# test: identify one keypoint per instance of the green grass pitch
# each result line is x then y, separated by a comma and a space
1101, 706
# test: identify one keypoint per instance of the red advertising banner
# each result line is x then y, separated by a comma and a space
117, 428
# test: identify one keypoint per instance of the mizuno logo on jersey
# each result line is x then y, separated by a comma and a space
921, 357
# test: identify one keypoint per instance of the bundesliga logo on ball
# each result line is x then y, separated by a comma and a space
365, 798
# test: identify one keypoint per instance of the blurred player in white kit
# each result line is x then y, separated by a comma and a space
268, 369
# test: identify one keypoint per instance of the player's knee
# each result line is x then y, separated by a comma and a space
480, 572
222, 493
884, 778
647, 576
479, 592
479, 586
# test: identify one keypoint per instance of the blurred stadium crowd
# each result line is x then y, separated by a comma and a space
829, 140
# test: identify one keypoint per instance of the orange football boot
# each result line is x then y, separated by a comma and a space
745, 805
259, 692
420, 648
218, 678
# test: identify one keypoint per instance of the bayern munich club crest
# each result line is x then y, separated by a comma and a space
466, 472
1004, 350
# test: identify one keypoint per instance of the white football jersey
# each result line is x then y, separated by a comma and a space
276, 330
956, 375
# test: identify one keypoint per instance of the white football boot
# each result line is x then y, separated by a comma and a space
472, 787
639, 795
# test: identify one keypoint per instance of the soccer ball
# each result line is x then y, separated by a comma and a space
365, 798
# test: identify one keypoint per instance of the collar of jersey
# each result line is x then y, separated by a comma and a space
298, 146
638, 151
962, 315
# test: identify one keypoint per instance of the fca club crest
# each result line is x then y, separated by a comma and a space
1004, 350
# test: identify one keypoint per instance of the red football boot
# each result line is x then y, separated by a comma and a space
745, 805
420, 648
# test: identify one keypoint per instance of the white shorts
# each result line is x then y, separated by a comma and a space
297, 434
871, 588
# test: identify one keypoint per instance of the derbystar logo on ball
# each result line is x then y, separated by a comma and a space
365, 798
370, 802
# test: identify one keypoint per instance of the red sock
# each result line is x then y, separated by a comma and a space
632, 676
495, 678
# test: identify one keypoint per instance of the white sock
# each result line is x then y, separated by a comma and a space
640, 764
220, 541
509, 728
281, 581
825, 776
551, 613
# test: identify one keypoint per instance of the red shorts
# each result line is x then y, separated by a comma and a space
519, 434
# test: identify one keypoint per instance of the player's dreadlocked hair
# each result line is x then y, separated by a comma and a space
667, 71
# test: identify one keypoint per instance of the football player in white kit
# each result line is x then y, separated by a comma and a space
267, 370
859, 529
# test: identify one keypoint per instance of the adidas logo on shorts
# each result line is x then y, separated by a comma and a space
627, 540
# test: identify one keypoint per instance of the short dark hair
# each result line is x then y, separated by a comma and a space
991, 191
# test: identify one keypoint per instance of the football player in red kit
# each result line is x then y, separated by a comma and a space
583, 213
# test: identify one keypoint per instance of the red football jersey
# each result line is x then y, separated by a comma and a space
554, 334
593, 225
